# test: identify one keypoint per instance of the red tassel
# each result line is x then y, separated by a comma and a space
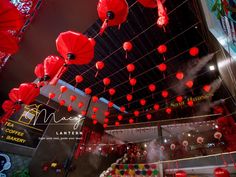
164, 58
62, 70
75, 85
103, 27
59, 97
96, 74
48, 101
126, 54
119, 26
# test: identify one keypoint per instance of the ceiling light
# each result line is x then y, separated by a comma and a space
112, 148
189, 134
128, 147
145, 145
165, 140
216, 126
100, 149
89, 148
212, 67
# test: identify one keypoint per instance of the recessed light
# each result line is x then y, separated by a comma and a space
212, 67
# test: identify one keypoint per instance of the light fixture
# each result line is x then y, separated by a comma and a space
89, 148
165, 140
145, 145
212, 67
189, 134
100, 149
216, 126
128, 147
112, 148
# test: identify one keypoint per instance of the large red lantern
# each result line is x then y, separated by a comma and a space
39, 71
112, 13
75, 48
99, 65
127, 46
180, 173
10, 17
194, 51
8, 43
88, 91
221, 172
179, 75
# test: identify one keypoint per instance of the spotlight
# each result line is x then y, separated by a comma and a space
212, 67
189, 134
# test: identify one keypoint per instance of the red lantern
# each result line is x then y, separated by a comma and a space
162, 49
122, 109
148, 3
14, 95
106, 113
62, 102
110, 104
112, 13
136, 113
180, 173
131, 121
127, 46
156, 107
207, 88
106, 82
112, 91
78, 79
168, 110
117, 123
106, 120
9, 105
95, 122
194, 51
104, 125
189, 84
162, 67
164, 93
83, 113
39, 71
190, 103
62, 90
69, 108
72, 98
52, 65
221, 172
163, 19
88, 91
179, 99
129, 97
152, 88
149, 116
76, 48
93, 116
142, 102
179, 75
28, 92
119, 117
133, 82
99, 65
94, 99
80, 105
95, 109
51, 95
130, 68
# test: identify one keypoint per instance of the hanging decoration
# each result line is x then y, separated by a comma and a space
194, 51
83, 113
99, 65
221, 172
8, 43
94, 99
63, 89
69, 108
190, 103
75, 48
110, 104
189, 84
168, 110
162, 148
179, 75
180, 173
131, 121
106, 82
149, 116
88, 91
132, 82
78, 79
179, 99
207, 88
165, 94
9, 105
152, 88
172, 146
162, 68
127, 46
51, 95
130, 68
218, 135
106, 113
185, 144
162, 49
61, 103
112, 13
119, 117
156, 107
39, 71
112, 92
163, 19
142, 102
122, 109
136, 113
80, 105
117, 124
200, 140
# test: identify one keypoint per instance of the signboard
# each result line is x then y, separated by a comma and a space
21, 128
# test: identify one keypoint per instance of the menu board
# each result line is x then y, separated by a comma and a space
27, 126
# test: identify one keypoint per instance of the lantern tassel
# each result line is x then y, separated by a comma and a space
119, 26
61, 71
103, 27
59, 97
96, 74
48, 101
164, 58
225, 163
75, 85
126, 55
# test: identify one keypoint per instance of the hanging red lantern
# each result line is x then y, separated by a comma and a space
99, 65
130, 68
62, 90
129, 97
39, 71
83, 113
80, 105
156, 107
95, 109
78, 79
163, 19
180, 173
168, 110
88, 91
185, 143
51, 95
106, 82
75, 48
200, 140
194, 51
131, 121
149, 116
93, 116
119, 117
52, 65
136, 113
122, 109
69, 108
72, 98
152, 88
106, 113
132, 82
14, 95
105, 125
112, 13
189, 84
95, 122
106, 120
28, 92
94, 99
117, 123
142, 102
148, 3
162, 67
112, 91
207, 88
190, 103
127, 46
179, 99
179, 75
165, 93
221, 172
62, 102
162, 49
110, 104
9, 105
8, 43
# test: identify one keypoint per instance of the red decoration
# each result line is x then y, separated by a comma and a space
78, 79
99, 65
94, 99
8, 43
72, 98
119, 117
131, 121
163, 19
112, 91
164, 93
122, 109
95, 122
149, 116
83, 113
221, 172
162, 49
168, 110
189, 84
194, 51
69, 108
152, 87
93, 116
129, 97
10, 17
95, 109
136, 113
88, 91
180, 173
156, 107
162, 67
142, 102
80, 105
179, 99
110, 104
106, 120
106, 82
112, 13
104, 125
207, 88
130, 68
75, 47
9, 105
133, 82
190, 103
62, 102
117, 123
106, 113
39, 71
62, 90
179, 75
148, 3
127, 46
